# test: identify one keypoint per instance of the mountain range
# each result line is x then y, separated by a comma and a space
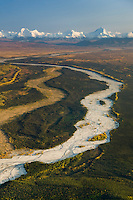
99, 33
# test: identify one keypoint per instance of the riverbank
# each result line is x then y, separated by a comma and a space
97, 121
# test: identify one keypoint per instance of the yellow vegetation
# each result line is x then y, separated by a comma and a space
116, 96
82, 125
81, 146
98, 157
101, 136
100, 72
13, 78
117, 114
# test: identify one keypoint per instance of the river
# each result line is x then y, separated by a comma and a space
95, 122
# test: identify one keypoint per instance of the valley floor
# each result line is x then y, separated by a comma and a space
95, 122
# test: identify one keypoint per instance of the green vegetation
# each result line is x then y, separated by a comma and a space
52, 125
69, 179
16, 93
19, 97
84, 176
6, 70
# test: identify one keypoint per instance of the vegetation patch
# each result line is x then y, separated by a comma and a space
101, 136
68, 179
87, 176
82, 125
49, 126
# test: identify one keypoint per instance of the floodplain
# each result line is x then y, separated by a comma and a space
103, 173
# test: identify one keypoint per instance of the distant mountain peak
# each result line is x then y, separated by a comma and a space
130, 35
73, 34
101, 32
24, 32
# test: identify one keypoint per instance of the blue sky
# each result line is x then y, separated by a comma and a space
63, 15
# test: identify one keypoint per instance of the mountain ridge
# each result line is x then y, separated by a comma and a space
71, 34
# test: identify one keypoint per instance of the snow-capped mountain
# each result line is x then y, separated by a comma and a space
99, 33
9, 34
129, 35
2, 33
102, 33
73, 34
25, 32
54, 35
69, 34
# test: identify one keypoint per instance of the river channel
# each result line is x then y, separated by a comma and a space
96, 121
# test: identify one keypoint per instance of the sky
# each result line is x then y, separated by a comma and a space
62, 15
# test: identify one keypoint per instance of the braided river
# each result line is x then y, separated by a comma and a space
96, 121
